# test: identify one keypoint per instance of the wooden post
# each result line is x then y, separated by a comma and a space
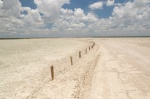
79, 54
89, 47
85, 51
71, 60
52, 72
93, 45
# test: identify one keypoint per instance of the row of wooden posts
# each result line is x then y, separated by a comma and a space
71, 59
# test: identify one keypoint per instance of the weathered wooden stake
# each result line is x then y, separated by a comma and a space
71, 60
93, 45
89, 47
86, 51
79, 54
52, 72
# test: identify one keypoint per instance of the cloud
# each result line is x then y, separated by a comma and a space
79, 12
11, 8
32, 18
97, 5
1, 4
72, 21
9, 11
127, 19
135, 14
50, 8
13, 18
110, 2
50, 19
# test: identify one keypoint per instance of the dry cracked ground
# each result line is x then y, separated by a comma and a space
116, 68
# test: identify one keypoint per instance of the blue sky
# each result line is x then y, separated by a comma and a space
58, 18
28, 3
83, 4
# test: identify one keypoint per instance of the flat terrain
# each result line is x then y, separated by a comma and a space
123, 71
23, 61
116, 68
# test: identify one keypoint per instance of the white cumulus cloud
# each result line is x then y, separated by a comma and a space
97, 5
127, 19
13, 18
50, 17
135, 14
50, 8
1, 4
10, 8
110, 2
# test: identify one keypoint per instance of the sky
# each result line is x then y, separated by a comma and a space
74, 18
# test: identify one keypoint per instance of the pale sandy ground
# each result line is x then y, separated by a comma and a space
25, 63
116, 68
123, 70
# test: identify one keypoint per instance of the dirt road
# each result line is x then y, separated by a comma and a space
123, 70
